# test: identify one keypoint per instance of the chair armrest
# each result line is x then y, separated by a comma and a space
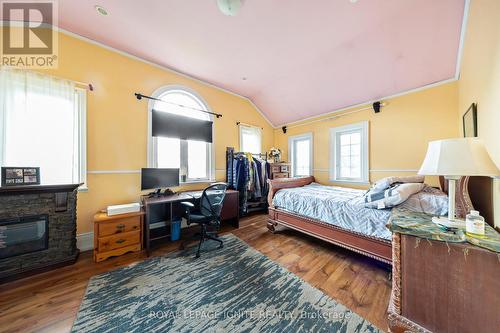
187, 204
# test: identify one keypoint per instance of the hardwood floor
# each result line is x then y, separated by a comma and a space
49, 302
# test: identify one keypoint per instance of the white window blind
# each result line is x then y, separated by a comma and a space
349, 152
301, 154
250, 139
43, 124
193, 158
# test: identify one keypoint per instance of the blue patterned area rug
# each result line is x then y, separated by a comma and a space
233, 289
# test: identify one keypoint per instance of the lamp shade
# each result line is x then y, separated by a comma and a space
458, 157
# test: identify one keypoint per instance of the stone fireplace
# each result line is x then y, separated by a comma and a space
37, 229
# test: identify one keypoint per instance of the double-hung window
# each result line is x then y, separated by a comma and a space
250, 139
193, 158
349, 153
43, 124
300, 154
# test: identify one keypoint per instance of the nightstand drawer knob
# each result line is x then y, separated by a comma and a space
119, 241
120, 226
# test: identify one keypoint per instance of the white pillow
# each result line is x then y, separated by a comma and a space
386, 182
430, 201
392, 196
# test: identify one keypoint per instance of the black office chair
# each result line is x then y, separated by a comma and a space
208, 215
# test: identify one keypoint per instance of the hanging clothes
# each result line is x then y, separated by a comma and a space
248, 175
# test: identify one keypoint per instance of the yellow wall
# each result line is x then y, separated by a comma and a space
117, 122
480, 78
480, 73
398, 134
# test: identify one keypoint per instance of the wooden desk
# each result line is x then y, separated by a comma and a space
163, 210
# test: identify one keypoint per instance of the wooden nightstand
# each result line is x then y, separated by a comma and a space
118, 234
442, 282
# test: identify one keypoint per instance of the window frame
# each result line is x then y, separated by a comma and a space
335, 132
240, 128
291, 152
152, 147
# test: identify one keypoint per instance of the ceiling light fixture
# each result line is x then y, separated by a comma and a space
229, 7
353, 1
244, 78
101, 10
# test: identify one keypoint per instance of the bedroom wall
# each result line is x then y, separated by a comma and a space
480, 78
117, 122
398, 134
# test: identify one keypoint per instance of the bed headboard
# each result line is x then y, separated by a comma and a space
278, 184
473, 193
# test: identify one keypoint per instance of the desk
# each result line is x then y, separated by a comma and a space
162, 210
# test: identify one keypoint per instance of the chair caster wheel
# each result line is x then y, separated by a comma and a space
197, 256
221, 246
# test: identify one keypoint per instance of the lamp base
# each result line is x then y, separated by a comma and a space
444, 221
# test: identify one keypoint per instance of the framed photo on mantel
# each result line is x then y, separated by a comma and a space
19, 176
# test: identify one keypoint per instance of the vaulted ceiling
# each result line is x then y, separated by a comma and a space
294, 59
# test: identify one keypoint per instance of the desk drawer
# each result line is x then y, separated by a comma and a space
120, 226
119, 240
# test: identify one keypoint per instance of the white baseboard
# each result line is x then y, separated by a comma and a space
85, 241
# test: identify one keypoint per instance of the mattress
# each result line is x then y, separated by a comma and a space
339, 206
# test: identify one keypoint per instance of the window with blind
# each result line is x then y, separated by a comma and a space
349, 153
250, 139
192, 157
301, 154
43, 124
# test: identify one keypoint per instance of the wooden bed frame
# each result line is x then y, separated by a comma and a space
373, 247
376, 248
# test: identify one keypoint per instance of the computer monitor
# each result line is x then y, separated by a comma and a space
156, 178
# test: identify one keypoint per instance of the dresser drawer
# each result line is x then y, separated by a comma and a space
119, 240
275, 168
280, 175
120, 226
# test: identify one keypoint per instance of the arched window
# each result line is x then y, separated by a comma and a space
193, 158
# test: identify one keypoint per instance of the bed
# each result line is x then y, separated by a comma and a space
333, 214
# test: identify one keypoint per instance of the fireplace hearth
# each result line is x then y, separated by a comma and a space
37, 229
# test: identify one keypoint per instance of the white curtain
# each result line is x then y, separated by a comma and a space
250, 139
39, 124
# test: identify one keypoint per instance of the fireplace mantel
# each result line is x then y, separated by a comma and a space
28, 189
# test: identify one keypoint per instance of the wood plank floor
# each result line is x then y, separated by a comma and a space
49, 302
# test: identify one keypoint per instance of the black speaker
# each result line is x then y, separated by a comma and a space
376, 107
283, 129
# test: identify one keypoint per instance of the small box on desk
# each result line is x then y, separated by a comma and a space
123, 209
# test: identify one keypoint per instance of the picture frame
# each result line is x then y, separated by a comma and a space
20, 176
469, 120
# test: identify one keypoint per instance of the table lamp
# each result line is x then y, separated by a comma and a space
454, 158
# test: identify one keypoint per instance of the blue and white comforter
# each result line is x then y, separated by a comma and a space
340, 206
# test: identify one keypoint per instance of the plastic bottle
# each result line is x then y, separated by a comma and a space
474, 224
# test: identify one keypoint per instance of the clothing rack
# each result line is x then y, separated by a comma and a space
250, 206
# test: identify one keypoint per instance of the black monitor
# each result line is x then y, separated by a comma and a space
156, 178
